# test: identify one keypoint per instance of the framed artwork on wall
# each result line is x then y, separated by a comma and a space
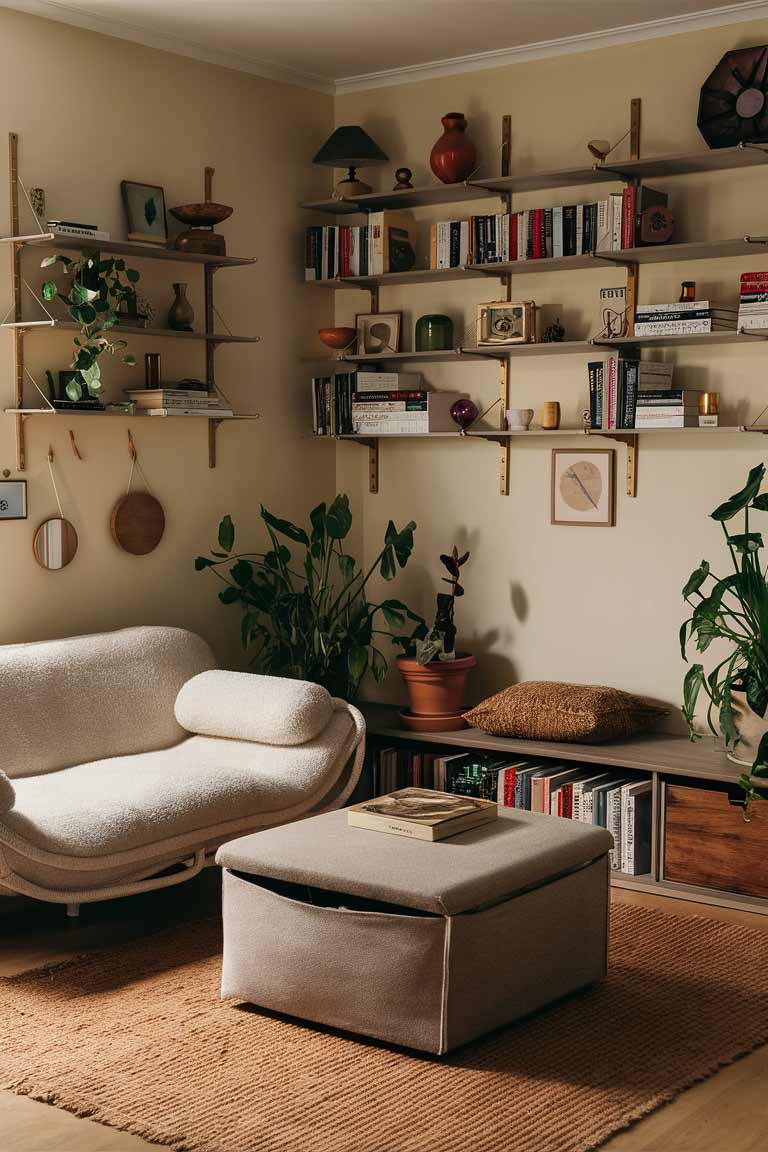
378, 332
584, 487
144, 212
13, 499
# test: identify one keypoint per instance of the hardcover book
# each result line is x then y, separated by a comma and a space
421, 813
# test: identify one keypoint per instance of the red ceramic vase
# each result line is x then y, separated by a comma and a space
454, 157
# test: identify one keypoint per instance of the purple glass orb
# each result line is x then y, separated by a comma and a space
463, 412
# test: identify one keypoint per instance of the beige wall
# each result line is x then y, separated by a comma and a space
91, 111
561, 602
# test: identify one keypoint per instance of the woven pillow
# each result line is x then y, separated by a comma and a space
548, 710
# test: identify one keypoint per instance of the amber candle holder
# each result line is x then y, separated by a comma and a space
709, 403
550, 415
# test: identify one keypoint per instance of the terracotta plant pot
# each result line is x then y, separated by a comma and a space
453, 157
437, 689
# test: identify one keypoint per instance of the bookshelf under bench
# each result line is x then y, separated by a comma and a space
702, 849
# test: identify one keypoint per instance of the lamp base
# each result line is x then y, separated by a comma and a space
349, 189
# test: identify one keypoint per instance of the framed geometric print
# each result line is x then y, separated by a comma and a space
584, 487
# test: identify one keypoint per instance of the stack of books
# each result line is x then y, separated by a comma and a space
669, 408
71, 229
178, 402
753, 300
620, 802
332, 404
399, 412
384, 244
613, 386
684, 318
421, 813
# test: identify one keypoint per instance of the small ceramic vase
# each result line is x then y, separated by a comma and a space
181, 313
453, 157
434, 333
550, 415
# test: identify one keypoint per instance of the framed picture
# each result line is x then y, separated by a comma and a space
583, 487
145, 212
378, 332
502, 322
13, 499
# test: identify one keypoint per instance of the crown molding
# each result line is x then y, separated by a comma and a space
108, 26
565, 45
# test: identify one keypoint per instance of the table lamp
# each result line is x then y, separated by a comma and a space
350, 147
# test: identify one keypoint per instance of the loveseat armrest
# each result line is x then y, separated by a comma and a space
7, 794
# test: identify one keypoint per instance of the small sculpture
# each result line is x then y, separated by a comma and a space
463, 412
403, 178
601, 149
440, 643
554, 333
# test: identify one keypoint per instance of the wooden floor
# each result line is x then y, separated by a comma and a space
728, 1113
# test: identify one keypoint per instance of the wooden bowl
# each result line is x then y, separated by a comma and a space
201, 215
337, 337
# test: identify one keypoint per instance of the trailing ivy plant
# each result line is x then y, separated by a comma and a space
305, 610
734, 608
97, 290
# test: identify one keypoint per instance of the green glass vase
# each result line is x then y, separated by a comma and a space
434, 333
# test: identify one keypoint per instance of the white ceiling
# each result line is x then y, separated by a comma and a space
346, 44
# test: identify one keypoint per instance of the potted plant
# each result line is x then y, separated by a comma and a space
437, 679
305, 611
97, 291
733, 608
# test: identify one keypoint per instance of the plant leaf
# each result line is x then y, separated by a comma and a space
696, 579
229, 595
49, 290
387, 567
747, 541
357, 661
338, 518
132, 275
129, 359
242, 573
74, 389
692, 685
202, 562
451, 564
760, 502
226, 534
378, 665
739, 500
284, 527
393, 618
347, 567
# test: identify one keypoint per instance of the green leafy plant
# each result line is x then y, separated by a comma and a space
305, 610
734, 608
93, 297
440, 644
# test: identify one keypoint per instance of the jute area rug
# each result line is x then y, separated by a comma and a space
138, 1039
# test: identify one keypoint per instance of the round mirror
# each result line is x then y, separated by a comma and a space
55, 543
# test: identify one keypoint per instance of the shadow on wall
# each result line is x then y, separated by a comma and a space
493, 671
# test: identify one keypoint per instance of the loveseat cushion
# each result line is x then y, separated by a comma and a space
107, 807
264, 709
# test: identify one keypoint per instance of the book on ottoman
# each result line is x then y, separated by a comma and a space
422, 812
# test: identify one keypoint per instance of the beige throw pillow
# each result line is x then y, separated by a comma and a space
548, 710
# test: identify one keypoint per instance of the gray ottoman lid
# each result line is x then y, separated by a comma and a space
485, 866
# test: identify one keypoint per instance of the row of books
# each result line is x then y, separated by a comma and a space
753, 300
178, 402
384, 244
615, 800
615, 385
684, 317
71, 229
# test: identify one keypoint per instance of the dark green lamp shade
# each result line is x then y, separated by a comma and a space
350, 146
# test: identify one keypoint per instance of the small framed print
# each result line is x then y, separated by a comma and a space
13, 499
502, 322
584, 487
145, 212
378, 333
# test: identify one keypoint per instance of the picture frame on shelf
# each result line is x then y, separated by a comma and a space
378, 333
503, 322
584, 487
13, 499
144, 212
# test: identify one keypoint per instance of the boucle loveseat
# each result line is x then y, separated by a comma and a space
126, 759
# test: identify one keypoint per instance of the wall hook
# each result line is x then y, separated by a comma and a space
73, 442
132, 448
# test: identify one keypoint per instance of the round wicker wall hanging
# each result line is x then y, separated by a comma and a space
138, 521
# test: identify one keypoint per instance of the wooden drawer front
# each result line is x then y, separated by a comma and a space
707, 842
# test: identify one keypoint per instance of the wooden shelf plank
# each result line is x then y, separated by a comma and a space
69, 412
406, 198
129, 330
128, 248
416, 276
691, 339
657, 752
697, 250
503, 434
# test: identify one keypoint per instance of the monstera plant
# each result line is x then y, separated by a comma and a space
93, 296
733, 607
305, 608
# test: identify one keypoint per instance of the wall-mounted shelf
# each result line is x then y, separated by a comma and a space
129, 330
654, 167
128, 248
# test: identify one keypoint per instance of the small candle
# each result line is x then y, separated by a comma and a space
708, 402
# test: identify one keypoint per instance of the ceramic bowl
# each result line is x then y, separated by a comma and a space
201, 215
337, 337
519, 419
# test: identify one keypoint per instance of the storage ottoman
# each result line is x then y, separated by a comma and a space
423, 944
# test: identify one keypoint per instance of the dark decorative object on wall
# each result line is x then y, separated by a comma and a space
350, 147
553, 333
464, 412
453, 157
732, 104
656, 225
403, 178
434, 333
181, 314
